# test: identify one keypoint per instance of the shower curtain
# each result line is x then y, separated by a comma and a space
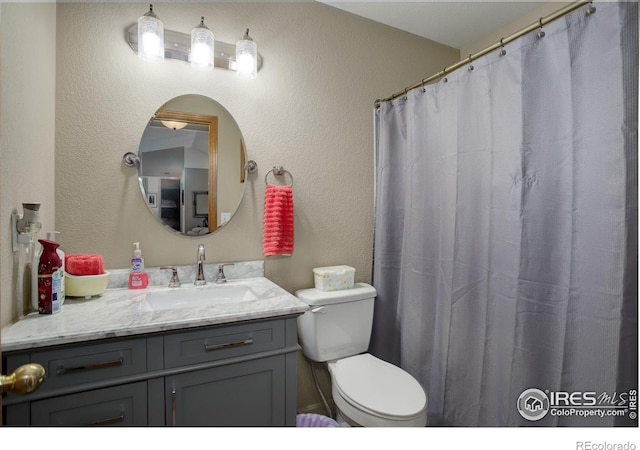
505, 253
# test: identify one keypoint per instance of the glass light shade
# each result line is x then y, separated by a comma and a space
201, 47
247, 56
173, 124
150, 37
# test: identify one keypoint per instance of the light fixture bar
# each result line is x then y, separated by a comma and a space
177, 46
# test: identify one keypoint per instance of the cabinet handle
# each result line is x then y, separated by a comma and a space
209, 348
110, 421
62, 371
173, 407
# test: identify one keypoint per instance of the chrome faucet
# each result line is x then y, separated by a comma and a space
200, 281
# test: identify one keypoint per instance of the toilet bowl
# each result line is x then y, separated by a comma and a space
367, 391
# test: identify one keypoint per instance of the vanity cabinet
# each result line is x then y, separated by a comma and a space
242, 374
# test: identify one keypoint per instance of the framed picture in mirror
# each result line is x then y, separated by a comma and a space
151, 199
200, 204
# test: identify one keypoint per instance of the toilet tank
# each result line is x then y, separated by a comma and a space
338, 323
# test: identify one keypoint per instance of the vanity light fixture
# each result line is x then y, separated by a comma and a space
242, 57
201, 47
150, 37
247, 56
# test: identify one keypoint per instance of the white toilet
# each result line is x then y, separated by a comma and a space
367, 391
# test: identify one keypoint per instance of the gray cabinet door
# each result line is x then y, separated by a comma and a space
250, 393
119, 406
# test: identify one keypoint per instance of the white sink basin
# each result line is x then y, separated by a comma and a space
192, 297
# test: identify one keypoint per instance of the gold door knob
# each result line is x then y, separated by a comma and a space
23, 380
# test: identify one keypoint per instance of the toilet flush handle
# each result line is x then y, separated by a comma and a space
319, 309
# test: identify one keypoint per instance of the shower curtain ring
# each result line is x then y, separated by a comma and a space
470, 65
503, 51
591, 9
444, 72
541, 33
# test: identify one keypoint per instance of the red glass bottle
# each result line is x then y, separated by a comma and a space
49, 278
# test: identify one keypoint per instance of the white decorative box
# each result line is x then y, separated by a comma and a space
333, 278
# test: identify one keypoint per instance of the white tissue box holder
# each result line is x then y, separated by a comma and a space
333, 278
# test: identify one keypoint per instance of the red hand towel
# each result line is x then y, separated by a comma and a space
278, 221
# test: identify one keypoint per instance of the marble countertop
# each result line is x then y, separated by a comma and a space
124, 312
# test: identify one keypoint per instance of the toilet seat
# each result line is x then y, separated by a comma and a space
377, 392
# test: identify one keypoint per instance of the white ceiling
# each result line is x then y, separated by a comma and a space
458, 24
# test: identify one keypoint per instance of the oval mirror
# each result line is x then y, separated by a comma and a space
191, 170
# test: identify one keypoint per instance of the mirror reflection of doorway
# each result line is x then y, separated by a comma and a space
180, 151
170, 209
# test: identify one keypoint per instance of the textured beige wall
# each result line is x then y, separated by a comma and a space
27, 128
310, 110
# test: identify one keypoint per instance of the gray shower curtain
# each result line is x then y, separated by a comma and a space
505, 251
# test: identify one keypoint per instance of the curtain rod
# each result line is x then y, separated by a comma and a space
501, 43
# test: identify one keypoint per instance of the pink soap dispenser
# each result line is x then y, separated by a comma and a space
138, 278
50, 277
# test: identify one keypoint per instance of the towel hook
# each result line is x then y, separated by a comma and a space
278, 171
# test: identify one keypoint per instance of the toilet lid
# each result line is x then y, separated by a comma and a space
377, 386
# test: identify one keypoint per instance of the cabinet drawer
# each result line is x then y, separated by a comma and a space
213, 344
115, 406
85, 364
